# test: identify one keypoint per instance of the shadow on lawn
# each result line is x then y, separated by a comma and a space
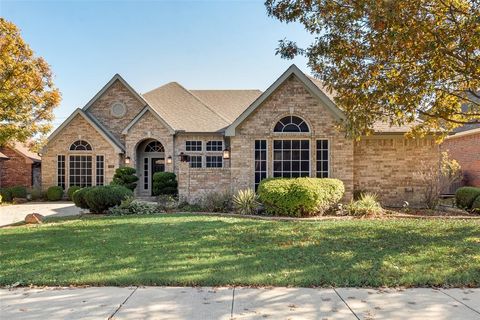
200, 250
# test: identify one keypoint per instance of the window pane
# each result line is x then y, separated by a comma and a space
294, 161
260, 161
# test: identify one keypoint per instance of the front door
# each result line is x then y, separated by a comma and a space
157, 165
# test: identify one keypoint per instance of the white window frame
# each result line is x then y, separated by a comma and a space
292, 139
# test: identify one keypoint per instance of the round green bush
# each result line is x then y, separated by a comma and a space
18, 192
299, 197
164, 183
465, 196
6, 194
54, 193
100, 199
71, 191
78, 198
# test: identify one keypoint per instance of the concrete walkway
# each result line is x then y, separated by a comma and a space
14, 213
238, 303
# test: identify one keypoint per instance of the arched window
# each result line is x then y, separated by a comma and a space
154, 146
80, 145
291, 124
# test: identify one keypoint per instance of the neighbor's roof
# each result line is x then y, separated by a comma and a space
25, 151
3, 157
199, 110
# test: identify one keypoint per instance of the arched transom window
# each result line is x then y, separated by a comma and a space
154, 146
291, 124
80, 145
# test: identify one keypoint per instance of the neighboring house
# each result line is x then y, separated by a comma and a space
19, 166
225, 140
464, 146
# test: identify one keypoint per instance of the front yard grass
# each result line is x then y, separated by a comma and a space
188, 249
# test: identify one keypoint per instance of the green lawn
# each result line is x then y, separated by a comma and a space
185, 249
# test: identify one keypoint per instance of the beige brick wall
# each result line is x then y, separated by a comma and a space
290, 98
386, 165
78, 129
101, 108
194, 183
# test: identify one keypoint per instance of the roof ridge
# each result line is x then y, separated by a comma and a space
206, 105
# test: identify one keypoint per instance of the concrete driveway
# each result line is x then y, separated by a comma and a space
238, 303
15, 213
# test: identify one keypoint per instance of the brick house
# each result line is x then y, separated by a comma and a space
19, 166
225, 140
464, 146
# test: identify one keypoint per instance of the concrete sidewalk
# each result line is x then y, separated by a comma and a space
238, 303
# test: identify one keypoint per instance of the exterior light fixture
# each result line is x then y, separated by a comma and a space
127, 160
226, 153
183, 157
169, 159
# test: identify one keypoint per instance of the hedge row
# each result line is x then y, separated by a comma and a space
13, 192
299, 196
468, 198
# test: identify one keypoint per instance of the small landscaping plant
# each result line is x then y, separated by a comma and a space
6, 194
71, 191
167, 202
18, 192
299, 197
245, 201
465, 196
54, 193
101, 198
164, 183
125, 176
130, 207
436, 180
36, 194
367, 204
217, 202
78, 198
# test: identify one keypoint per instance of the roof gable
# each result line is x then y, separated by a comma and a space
119, 78
116, 144
140, 115
310, 86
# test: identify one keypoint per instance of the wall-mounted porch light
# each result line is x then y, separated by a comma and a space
127, 160
169, 159
226, 153
183, 157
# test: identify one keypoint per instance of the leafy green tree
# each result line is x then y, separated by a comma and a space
393, 61
27, 93
125, 176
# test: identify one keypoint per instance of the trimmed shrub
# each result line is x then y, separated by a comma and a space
217, 202
6, 194
476, 205
54, 193
245, 201
71, 191
164, 183
78, 197
101, 198
36, 194
299, 197
367, 204
18, 192
125, 176
465, 196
